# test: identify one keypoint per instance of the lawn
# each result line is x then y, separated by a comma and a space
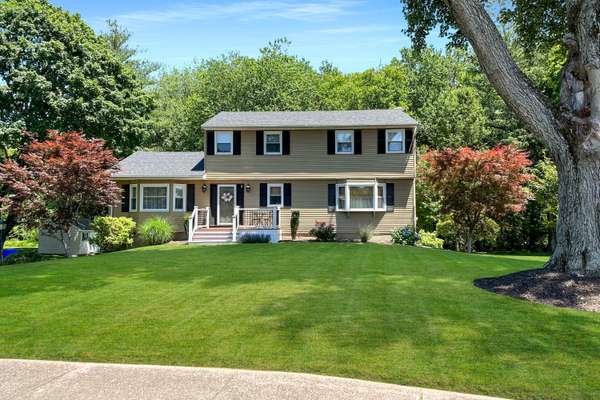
396, 314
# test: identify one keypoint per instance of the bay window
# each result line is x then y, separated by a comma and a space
358, 196
155, 197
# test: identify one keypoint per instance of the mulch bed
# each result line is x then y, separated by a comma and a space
547, 287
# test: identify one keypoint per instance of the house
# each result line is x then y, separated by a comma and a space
347, 168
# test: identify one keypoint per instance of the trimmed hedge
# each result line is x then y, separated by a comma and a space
113, 233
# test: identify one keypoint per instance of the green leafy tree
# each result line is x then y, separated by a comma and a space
570, 131
118, 38
56, 73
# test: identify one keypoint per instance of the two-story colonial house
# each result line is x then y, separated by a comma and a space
347, 168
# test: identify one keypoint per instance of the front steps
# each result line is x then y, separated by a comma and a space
213, 235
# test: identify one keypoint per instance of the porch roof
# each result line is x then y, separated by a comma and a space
161, 164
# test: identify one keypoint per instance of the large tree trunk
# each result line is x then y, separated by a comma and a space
572, 134
577, 248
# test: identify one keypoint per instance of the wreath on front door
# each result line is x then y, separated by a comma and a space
226, 197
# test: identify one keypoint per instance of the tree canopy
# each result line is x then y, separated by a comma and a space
56, 73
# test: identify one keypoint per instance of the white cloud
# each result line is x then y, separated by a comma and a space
358, 29
242, 10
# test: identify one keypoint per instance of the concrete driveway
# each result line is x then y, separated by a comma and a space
49, 380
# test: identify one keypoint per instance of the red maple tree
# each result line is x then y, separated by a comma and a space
475, 185
58, 182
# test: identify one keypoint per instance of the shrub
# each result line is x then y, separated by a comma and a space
323, 232
21, 233
366, 233
406, 235
430, 239
294, 222
156, 230
112, 234
486, 232
255, 238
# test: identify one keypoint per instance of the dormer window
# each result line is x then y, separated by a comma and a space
344, 142
394, 141
272, 142
224, 142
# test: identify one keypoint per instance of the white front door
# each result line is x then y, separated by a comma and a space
225, 204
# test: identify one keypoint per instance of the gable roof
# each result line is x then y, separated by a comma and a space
162, 164
309, 119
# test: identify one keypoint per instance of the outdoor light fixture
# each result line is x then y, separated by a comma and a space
248, 187
204, 187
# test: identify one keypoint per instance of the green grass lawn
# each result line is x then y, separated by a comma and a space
396, 314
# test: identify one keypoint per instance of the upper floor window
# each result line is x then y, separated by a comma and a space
223, 142
394, 141
274, 195
133, 197
272, 142
178, 197
354, 196
344, 142
155, 197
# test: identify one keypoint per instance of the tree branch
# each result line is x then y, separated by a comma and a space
519, 93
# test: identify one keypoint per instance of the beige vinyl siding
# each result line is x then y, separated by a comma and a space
310, 197
175, 218
309, 160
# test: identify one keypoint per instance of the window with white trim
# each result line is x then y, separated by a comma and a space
359, 196
274, 194
155, 197
223, 142
344, 142
272, 142
133, 197
394, 141
179, 197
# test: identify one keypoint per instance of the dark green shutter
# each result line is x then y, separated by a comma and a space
125, 198
357, 141
239, 195
210, 143
408, 137
331, 195
285, 146
263, 194
260, 143
213, 203
389, 196
330, 142
190, 200
287, 194
381, 141
237, 143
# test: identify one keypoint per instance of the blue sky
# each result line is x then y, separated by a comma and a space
352, 34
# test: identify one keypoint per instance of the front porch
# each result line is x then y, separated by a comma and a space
243, 221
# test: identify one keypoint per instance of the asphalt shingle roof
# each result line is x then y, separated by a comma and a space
150, 164
309, 119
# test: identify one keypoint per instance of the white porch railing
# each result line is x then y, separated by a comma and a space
200, 218
257, 218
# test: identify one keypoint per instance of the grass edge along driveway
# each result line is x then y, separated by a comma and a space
385, 313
